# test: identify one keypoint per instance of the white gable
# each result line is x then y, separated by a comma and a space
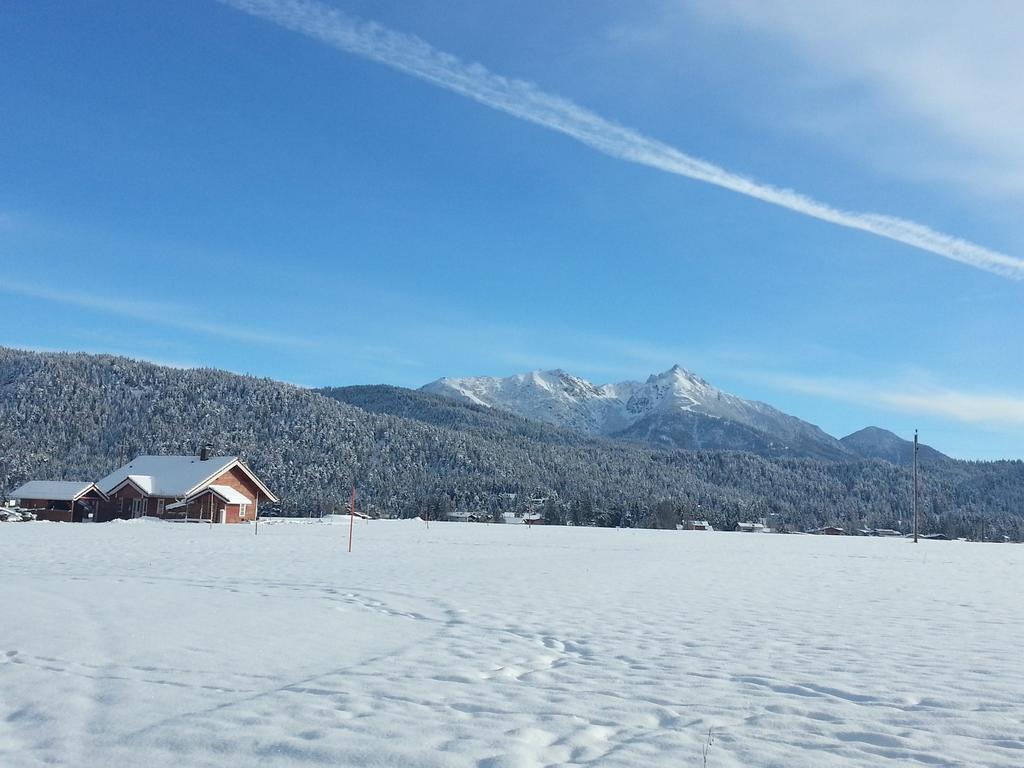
144, 483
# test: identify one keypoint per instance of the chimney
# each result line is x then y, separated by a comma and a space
204, 452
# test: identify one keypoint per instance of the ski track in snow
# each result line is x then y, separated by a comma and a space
486, 645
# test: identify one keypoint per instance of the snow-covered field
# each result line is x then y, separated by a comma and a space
154, 644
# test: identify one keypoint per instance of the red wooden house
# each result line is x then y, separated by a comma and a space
218, 488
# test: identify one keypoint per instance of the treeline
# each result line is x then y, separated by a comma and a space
76, 416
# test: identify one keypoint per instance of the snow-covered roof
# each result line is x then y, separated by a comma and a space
144, 482
176, 476
750, 526
229, 494
226, 492
54, 490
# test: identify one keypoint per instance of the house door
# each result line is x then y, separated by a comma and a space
220, 516
88, 510
138, 507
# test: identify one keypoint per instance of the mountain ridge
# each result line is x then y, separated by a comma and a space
673, 409
879, 443
70, 415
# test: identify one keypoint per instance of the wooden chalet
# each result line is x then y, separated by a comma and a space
220, 489
61, 501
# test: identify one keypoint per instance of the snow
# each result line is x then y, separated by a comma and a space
487, 645
168, 475
15, 515
145, 483
565, 400
54, 490
554, 397
229, 494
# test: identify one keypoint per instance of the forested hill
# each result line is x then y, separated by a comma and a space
76, 416
441, 411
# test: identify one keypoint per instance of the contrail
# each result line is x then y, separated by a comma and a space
526, 101
168, 315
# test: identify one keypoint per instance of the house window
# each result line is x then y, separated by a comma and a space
160, 504
241, 509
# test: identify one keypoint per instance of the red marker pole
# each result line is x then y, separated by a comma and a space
351, 518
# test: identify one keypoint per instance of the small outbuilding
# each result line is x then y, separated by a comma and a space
61, 501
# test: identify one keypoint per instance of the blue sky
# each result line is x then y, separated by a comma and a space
194, 184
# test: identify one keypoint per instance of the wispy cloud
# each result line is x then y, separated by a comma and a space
507, 348
526, 101
999, 410
921, 73
992, 409
167, 315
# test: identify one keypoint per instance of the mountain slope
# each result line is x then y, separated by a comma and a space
78, 416
877, 443
674, 409
440, 411
553, 397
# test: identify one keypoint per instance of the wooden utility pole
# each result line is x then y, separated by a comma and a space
351, 517
915, 487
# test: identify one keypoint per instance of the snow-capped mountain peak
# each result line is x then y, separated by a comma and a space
675, 408
675, 388
555, 397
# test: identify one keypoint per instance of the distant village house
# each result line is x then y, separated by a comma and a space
745, 527
878, 532
696, 525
